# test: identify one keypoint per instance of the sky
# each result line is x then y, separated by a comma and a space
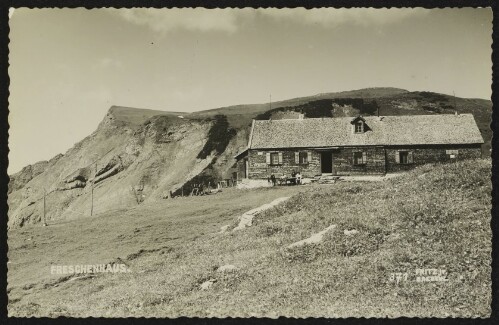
69, 66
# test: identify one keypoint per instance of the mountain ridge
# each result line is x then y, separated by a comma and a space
138, 155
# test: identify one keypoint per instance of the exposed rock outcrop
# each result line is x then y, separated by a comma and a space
127, 150
314, 239
246, 220
20, 179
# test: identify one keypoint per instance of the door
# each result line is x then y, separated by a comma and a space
327, 162
246, 168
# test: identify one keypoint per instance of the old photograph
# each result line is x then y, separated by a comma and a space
250, 162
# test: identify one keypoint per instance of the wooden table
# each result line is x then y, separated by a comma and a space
284, 181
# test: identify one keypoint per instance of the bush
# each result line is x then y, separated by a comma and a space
434, 97
365, 108
316, 108
218, 137
324, 108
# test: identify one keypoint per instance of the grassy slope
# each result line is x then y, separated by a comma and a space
392, 101
433, 217
137, 116
240, 116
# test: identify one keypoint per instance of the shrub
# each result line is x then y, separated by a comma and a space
430, 96
218, 137
302, 254
316, 108
323, 108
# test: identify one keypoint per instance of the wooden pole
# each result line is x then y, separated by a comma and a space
44, 207
92, 192
92, 200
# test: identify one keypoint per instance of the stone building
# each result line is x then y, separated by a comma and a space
356, 145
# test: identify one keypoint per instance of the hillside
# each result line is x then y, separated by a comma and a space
133, 156
172, 247
139, 155
241, 115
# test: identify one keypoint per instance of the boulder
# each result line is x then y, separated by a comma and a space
314, 239
352, 232
246, 220
227, 268
207, 284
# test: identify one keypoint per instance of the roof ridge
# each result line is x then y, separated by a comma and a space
365, 117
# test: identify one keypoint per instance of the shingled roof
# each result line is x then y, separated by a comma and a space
384, 130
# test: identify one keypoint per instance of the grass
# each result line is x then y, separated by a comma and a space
433, 217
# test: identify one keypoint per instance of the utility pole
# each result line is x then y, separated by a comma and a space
44, 209
92, 192
270, 102
92, 200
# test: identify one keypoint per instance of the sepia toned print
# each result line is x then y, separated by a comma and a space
250, 162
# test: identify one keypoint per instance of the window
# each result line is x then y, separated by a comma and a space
452, 153
303, 158
404, 157
359, 158
274, 158
359, 127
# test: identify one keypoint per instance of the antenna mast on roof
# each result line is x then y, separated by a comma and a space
455, 106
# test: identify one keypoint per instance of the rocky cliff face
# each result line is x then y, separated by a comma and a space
126, 162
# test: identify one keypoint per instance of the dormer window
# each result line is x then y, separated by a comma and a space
359, 127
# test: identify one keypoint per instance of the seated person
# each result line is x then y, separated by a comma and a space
298, 178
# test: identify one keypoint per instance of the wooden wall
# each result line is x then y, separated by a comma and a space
260, 169
379, 160
430, 154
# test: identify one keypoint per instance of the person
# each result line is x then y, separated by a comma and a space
273, 179
293, 178
298, 178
